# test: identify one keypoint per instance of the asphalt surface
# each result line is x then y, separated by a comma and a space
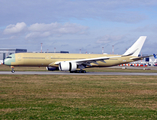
67, 73
139, 68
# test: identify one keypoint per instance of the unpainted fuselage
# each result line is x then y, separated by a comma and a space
48, 59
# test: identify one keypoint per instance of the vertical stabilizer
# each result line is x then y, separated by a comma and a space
135, 49
155, 56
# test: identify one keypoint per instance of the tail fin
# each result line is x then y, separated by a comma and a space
155, 56
135, 49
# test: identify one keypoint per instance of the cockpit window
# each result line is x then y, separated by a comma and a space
9, 57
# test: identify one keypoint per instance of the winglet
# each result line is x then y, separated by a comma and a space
135, 49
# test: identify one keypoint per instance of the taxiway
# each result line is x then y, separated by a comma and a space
67, 73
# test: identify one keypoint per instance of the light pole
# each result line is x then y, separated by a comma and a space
41, 47
102, 50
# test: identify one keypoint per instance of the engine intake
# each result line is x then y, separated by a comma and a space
52, 68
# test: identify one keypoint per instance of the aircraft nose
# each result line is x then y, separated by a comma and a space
6, 62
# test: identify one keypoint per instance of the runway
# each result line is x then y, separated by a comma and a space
67, 73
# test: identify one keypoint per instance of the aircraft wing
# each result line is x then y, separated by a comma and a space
88, 61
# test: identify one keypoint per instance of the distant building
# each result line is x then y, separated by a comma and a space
52, 52
64, 51
5, 52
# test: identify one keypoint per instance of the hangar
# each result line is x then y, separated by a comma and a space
4, 52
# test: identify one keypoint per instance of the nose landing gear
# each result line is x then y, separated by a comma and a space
12, 69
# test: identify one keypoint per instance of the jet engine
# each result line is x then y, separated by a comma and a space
67, 66
52, 68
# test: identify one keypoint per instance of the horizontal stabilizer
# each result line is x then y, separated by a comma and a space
139, 58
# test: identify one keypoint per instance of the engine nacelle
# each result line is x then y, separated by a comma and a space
52, 68
67, 66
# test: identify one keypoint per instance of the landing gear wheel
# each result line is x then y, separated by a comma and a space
12, 70
78, 71
83, 71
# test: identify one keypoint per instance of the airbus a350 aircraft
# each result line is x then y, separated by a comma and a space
75, 62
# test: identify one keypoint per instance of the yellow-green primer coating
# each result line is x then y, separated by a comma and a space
48, 59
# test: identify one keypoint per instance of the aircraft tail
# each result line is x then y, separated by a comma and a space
135, 49
155, 56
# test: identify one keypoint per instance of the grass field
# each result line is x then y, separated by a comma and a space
78, 97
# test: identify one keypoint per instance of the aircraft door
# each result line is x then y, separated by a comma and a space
19, 57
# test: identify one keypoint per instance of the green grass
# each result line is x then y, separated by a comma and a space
78, 97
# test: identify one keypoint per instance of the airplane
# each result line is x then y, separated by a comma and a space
155, 56
150, 61
75, 63
153, 62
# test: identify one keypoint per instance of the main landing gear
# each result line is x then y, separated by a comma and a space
78, 71
12, 69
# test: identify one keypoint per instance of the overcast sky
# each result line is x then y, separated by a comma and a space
72, 25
